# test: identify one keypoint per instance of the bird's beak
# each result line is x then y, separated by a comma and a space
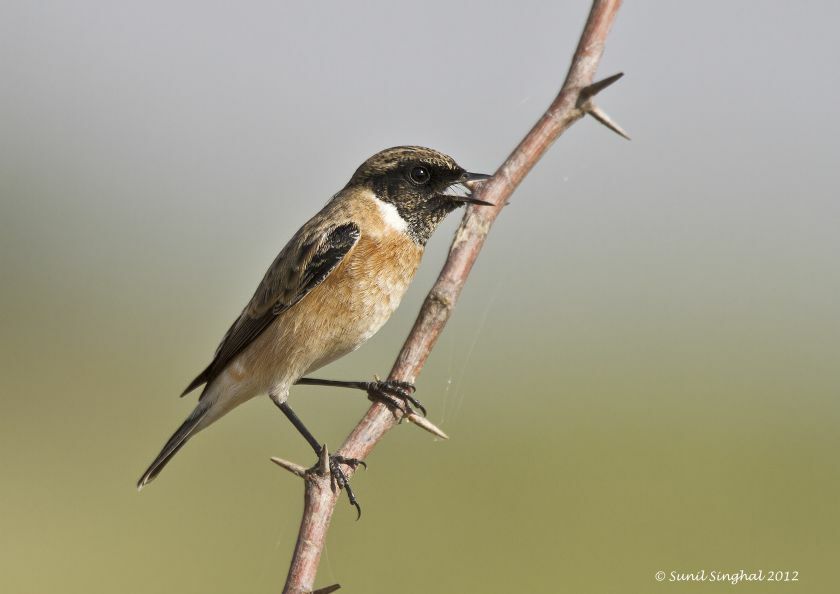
470, 182
470, 179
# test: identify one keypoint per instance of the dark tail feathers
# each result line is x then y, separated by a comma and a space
201, 378
175, 443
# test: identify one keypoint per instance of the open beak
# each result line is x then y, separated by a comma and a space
469, 182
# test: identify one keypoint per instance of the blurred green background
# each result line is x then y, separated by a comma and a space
642, 373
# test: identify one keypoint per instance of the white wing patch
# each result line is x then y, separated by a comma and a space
390, 216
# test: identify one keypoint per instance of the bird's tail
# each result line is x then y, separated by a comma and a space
187, 429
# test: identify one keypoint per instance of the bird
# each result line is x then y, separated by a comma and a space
328, 291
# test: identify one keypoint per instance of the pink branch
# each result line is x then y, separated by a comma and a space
573, 102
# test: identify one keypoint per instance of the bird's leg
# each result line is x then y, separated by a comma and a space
336, 473
391, 392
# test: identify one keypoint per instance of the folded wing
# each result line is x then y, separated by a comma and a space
312, 254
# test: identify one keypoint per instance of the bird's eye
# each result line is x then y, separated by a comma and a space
419, 175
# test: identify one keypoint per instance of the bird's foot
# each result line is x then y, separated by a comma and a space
340, 479
395, 394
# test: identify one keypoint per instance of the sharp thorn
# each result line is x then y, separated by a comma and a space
290, 466
602, 117
426, 424
324, 461
599, 86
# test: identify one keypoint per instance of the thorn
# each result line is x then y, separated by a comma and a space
585, 103
597, 87
426, 424
602, 117
327, 590
324, 461
290, 466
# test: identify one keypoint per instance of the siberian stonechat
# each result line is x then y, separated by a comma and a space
329, 290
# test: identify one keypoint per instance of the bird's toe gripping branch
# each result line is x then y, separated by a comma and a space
340, 480
328, 465
587, 104
397, 395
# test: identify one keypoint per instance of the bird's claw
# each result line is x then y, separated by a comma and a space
340, 479
396, 394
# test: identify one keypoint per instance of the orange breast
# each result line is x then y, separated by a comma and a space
362, 293
336, 317
344, 311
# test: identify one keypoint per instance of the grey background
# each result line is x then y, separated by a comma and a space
641, 375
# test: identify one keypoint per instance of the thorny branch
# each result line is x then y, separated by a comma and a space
576, 99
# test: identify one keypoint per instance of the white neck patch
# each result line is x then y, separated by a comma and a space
391, 216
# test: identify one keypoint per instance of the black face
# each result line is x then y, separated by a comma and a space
416, 181
418, 189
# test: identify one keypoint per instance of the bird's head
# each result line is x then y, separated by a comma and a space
423, 184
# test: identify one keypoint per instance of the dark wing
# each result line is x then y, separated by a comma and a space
302, 265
